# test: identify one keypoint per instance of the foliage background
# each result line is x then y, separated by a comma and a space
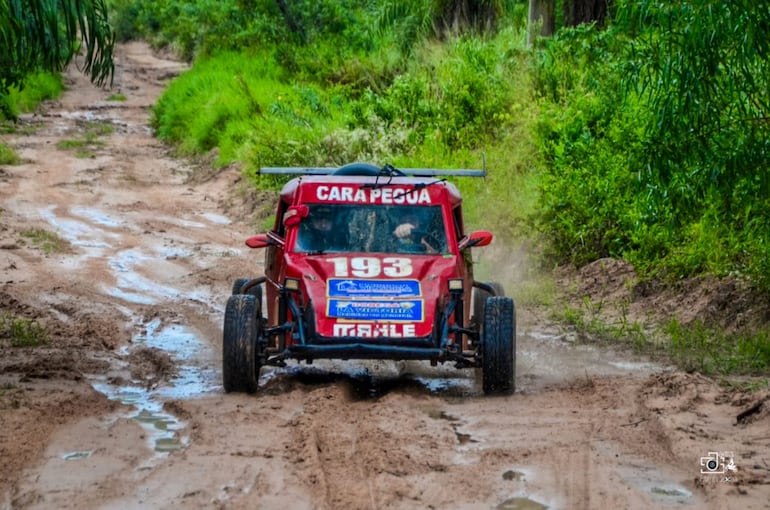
645, 139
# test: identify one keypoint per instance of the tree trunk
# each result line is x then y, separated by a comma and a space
457, 16
541, 19
585, 11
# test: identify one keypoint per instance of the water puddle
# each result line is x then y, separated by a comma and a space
195, 377
196, 373
181, 222
520, 504
77, 455
96, 216
135, 288
216, 218
162, 428
76, 232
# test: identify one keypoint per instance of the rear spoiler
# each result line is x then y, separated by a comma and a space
373, 170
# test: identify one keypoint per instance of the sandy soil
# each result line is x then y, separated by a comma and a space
123, 406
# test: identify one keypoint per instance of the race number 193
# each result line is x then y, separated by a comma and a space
371, 267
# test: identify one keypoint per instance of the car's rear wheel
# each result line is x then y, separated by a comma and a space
480, 298
240, 361
498, 346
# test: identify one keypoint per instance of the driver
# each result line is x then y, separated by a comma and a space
316, 232
412, 234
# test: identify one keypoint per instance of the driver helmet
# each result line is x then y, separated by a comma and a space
321, 218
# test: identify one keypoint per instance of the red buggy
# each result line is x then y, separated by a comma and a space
369, 263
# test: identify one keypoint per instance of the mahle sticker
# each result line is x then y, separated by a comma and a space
375, 330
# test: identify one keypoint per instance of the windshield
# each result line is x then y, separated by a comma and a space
342, 228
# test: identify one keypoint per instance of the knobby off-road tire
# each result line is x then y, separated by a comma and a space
254, 291
237, 284
498, 346
480, 298
240, 366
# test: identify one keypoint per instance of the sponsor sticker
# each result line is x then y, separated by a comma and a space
350, 288
410, 310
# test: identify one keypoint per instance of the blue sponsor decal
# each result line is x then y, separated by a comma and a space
349, 288
400, 310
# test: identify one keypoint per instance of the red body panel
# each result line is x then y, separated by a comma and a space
369, 295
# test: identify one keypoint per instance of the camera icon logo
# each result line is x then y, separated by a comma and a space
714, 464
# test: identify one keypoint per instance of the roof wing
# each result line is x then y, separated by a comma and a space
414, 172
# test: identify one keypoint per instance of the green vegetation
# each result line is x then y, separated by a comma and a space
33, 89
658, 141
692, 347
47, 241
45, 35
88, 139
8, 156
711, 351
21, 332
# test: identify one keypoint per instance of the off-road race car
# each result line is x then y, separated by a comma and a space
366, 262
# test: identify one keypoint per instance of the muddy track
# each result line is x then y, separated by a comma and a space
123, 406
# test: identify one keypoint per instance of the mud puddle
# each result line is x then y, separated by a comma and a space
195, 376
99, 235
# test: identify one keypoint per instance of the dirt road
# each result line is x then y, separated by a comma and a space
123, 406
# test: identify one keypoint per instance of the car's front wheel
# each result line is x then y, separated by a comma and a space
255, 290
480, 297
498, 346
240, 361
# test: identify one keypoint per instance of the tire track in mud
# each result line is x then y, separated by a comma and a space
352, 451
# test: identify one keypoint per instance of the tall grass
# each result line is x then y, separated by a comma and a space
36, 88
455, 105
242, 105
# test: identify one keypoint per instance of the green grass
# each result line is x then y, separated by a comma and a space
696, 347
69, 144
21, 332
37, 88
116, 97
47, 241
8, 156
693, 347
88, 139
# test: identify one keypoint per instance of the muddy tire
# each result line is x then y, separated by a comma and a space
237, 284
254, 291
240, 365
480, 298
498, 346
